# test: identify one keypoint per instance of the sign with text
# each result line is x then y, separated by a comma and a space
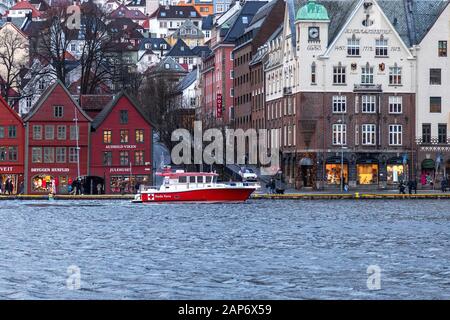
219, 105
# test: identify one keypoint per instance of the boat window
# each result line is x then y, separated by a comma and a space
199, 179
182, 179
209, 179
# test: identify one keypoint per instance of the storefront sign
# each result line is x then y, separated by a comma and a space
6, 169
219, 105
50, 170
119, 169
121, 146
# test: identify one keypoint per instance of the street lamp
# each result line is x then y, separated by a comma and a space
78, 144
341, 121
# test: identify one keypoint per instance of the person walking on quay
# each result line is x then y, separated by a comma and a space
99, 188
21, 189
401, 187
444, 184
7, 186
11, 187
410, 186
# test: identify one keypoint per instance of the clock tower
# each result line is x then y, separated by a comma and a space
312, 26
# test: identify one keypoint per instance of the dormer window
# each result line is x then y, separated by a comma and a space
244, 20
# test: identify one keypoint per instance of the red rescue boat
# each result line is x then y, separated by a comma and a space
180, 186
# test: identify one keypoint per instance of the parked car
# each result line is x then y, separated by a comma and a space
248, 174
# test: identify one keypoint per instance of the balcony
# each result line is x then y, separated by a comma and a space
367, 88
434, 141
287, 91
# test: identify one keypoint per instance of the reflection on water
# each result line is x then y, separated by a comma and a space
256, 250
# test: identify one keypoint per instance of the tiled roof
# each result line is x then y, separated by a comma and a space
95, 102
180, 49
208, 22
123, 12
176, 12
201, 51
25, 5
155, 44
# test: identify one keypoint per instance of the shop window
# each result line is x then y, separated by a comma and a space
13, 178
367, 173
42, 183
333, 173
395, 173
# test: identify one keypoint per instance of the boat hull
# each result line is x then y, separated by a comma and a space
200, 195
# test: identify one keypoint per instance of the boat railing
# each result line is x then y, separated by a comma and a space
143, 188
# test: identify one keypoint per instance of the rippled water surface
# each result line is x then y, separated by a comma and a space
262, 249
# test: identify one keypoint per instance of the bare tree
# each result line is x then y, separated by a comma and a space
13, 57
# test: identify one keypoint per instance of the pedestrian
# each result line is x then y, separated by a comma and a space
444, 184
410, 186
21, 189
99, 188
11, 187
401, 187
137, 186
414, 186
7, 186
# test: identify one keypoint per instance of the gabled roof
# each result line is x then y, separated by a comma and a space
168, 64
186, 81
208, 22
123, 12
243, 19
95, 102
155, 44
46, 94
107, 110
186, 31
176, 12
201, 51
25, 5
180, 49
4, 104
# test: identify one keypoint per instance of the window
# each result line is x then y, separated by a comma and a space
124, 158
395, 104
339, 134
367, 75
2, 132
442, 48
139, 158
123, 116
12, 132
36, 155
395, 75
313, 73
231, 74
61, 133
339, 75
123, 136
426, 133
353, 46
61, 154
368, 134
381, 47
73, 155
58, 111
37, 132
139, 136
12, 153
2, 153
41, 84
49, 155
368, 104
339, 104
49, 132
107, 136
435, 104
28, 102
232, 92
442, 133
74, 132
107, 158
435, 76
395, 135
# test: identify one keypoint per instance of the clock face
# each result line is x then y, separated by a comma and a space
313, 33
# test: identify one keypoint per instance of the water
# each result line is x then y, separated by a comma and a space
263, 249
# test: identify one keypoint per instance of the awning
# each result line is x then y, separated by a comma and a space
428, 164
367, 161
335, 160
306, 162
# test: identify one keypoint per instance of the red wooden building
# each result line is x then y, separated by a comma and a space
121, 146
57, 142
11, 147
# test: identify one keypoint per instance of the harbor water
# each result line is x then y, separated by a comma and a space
261, 249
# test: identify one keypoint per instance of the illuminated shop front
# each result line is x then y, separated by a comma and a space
367, 171
127, 184
396, 171
333, 170
15, 176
